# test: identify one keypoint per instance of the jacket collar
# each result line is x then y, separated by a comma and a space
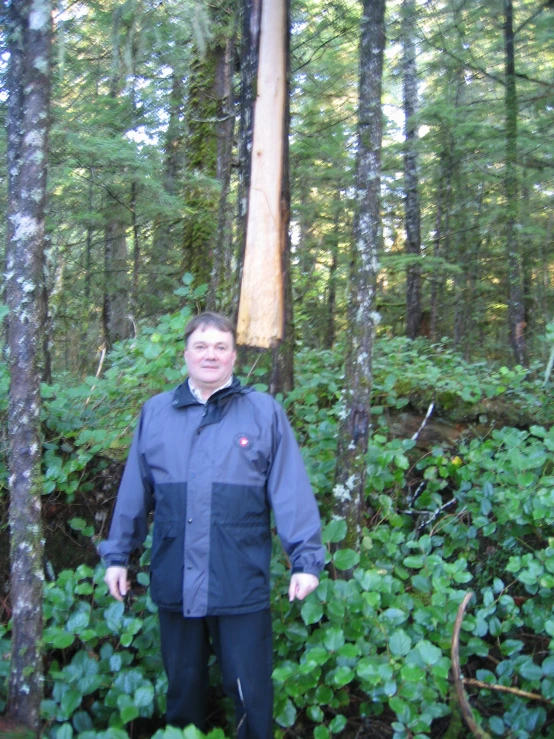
182, 396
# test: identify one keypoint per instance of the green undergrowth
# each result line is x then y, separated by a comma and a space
440, 520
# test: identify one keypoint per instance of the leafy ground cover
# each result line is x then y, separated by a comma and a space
364, 657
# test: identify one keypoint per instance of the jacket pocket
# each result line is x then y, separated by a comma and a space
166, 564
239, 566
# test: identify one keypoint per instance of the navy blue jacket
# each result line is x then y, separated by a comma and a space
212, 473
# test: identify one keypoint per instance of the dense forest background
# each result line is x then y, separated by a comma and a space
148, 172
144, 170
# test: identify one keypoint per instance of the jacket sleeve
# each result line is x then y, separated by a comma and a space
293, 501
134, 502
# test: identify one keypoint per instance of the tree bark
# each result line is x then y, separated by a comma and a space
261, 310
330, 331
250, 41
221, 278
29, 26
201, 197
516, 308
282, 376
349, 490
114, 311
411, 181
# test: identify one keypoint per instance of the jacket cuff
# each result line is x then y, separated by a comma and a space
115, 561
306, 571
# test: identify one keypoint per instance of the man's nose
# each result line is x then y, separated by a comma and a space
210, 352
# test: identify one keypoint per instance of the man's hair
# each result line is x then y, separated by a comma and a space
209, 318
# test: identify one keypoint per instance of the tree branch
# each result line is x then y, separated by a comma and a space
467, 713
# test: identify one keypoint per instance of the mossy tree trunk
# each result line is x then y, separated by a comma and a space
222, 278
354, 430
208, 149
411, 179
29, 38
115, 321
516, 308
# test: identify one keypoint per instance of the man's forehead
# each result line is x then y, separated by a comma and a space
214, 333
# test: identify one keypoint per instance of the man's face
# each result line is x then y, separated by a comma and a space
210, 358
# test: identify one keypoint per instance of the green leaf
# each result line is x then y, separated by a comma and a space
315, 714
65, 731
321, 732
343, 676
429, 653
78, 524
311, 612
346, 559
78, 621
287, 715
129, 713
71, 700
114, 616
144, 696
337, 724
191, 732
530, 671
334, 531
334, 638
59, 638
399, 643
414, 562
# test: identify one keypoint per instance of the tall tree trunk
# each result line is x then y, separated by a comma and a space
114, 309
411, 184
29, 38
115, 320
201, 197
167, 235
516, 308
221, 280
350, 478
136, 251
330, 331
282, 374
264, 188
249, 55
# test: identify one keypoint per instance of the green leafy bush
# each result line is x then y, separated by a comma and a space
377, 646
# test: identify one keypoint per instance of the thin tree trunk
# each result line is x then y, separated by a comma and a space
221, 280
136, 250
349, 490
411, 185
249, 54
167, 236
114, 313
332, 284
29, 38
114, 309
516, 308
282, 376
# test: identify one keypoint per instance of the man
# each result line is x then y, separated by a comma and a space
212, 458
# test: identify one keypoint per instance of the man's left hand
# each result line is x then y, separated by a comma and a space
301, 585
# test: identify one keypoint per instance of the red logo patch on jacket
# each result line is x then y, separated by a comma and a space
243, 441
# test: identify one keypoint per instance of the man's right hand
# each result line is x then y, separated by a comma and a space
116, 580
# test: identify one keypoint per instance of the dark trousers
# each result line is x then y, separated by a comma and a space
243, 648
